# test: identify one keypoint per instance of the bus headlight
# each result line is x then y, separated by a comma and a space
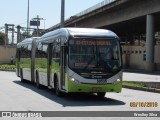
72, 79
75, 81
116, 82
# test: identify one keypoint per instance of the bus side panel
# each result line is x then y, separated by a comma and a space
25, 62
41, 63
55, 64
55, 71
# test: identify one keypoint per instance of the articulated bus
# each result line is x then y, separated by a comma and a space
72, 60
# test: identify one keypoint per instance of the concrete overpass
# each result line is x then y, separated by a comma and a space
117, 12
127, 18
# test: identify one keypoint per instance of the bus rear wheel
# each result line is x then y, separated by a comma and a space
37, 81
21, 76
101, 94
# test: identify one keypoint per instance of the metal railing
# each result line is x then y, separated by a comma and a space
99, 5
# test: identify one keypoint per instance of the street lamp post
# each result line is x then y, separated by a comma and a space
36, 22
62, 12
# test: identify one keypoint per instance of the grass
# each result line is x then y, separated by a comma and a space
7, 67
134, 84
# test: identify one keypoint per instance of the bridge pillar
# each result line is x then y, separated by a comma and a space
150, 43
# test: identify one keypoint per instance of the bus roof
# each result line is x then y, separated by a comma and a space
76, 32
27, 40
93, 32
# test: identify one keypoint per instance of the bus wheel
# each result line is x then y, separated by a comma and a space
37, 81
101, 94
21, 76
57, 91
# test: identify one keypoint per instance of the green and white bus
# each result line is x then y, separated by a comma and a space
72, 60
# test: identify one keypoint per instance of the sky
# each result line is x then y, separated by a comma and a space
15, 11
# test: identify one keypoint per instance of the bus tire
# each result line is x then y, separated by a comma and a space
57, 91
101, 94
21, 76
37, 81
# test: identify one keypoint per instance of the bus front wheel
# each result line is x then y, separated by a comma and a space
57, 91
101, 94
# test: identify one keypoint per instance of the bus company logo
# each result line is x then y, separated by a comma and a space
6, 114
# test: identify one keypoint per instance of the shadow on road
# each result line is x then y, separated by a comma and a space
79, 99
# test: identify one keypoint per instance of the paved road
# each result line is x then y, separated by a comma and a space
128, 76
17, 96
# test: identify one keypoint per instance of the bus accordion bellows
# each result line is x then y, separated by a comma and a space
72, 60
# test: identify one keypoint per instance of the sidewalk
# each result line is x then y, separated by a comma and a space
151, 80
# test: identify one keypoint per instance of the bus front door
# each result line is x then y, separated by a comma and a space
50, 46
63, 67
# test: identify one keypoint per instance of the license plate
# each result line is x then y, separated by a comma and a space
96, 89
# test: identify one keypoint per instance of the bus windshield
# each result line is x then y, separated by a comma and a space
95, 54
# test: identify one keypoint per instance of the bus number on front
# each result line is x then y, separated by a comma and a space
101, 81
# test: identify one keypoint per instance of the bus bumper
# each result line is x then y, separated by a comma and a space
94, 88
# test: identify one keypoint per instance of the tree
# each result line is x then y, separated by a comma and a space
24, 34
2, 38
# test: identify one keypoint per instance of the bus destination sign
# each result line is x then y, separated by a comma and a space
92, 42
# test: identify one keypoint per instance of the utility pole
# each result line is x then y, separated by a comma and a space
62, 12
6, 35
12, 29
38, 19
28, 20
18, 33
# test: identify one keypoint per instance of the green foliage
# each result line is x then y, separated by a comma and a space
7, 67
134, 84
25, 35
2, 38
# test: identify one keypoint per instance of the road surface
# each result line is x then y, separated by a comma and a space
17, 96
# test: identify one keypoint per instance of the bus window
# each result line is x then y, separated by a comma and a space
94, 54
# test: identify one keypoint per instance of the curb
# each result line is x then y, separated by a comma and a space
8, 70
142, 89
